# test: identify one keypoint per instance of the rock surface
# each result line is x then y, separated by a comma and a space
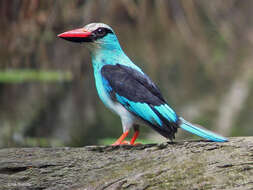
181, 165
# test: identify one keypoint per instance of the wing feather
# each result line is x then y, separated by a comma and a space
139, 95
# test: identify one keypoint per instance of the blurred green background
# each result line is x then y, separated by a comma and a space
199, 52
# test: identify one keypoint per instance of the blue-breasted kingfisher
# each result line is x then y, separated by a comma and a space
126, 90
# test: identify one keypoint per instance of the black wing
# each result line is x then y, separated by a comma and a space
132, 84
130, 88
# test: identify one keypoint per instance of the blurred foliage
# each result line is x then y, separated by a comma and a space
19, 76
197, 51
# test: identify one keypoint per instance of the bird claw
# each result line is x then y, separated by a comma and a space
125, 143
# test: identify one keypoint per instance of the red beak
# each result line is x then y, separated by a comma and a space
77, 35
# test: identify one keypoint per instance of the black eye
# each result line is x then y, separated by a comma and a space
100, 32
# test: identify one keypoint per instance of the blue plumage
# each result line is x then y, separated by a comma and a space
142, 110
127, 90
167, 112
201, 132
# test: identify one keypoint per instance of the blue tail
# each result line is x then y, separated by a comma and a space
201, 132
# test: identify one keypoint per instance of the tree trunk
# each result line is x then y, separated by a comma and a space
180, 165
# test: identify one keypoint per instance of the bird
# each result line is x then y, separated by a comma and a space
126, 90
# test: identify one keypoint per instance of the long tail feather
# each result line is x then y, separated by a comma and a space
201, 132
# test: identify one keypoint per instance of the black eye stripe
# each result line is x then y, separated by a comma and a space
101, 32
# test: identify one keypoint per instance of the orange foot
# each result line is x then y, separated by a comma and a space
125, 143
123, 136
129, 143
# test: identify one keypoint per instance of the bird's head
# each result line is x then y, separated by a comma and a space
95, 35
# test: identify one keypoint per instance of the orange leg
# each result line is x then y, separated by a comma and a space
136, 134
122, 137
121, 141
